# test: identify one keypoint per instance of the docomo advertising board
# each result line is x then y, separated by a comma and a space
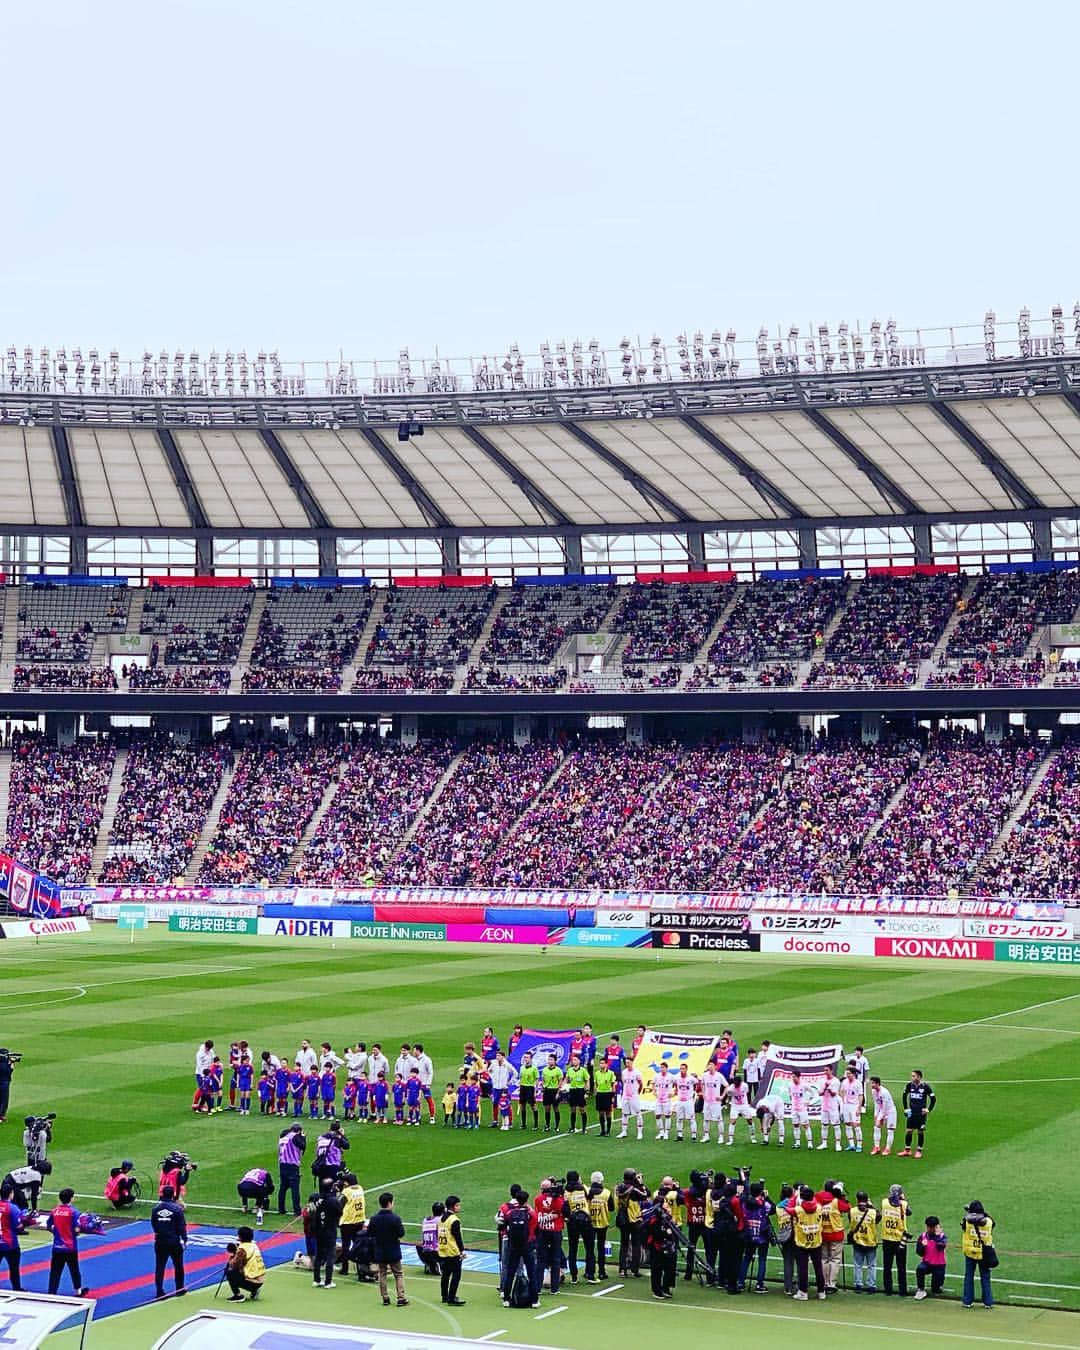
44, 928
818, 944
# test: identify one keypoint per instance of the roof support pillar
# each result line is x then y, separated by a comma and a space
808, 554
695, 549
204, 556
451, 554
328, 563
924, 552
78, 556
1041, 539
572, 551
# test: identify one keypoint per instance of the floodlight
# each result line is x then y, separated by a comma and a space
1024, 331
1057, 324
989, 326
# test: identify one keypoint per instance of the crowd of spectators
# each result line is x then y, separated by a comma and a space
178, 680
863, 674
980, 673
1066, 673
535, 621
306, 637
564, 833
273, 795
430, 626
492, 680
896, 620
1007, 610
783, 618
491, 786
807, 838
165, 797
668, 622
383, 786
709, 801
778, 675
55, 804
291, 679
200, 627
64, 677
414, 680
948, 817
1040, 856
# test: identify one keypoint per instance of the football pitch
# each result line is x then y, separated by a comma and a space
109, 1032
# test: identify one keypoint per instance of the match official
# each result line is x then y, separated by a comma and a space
170, 1237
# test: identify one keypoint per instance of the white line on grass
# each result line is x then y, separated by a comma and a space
551, 1312
492, 1335
138, 979
480, 1157
609, 1290
974, 1022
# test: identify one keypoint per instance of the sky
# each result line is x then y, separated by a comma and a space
357, 176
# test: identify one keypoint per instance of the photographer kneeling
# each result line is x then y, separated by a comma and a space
246, 1269
176, 1170
258, 1185
122, 1188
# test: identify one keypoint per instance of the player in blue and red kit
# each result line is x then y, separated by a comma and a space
297, 1084
64, 1225
245, 1073
414, 1092
12, 1219
217, 1076
473, 1104
380, 1096
363, 1093
398, 1090
328, 1091
206, 1092
266, 1094
281, 1089
462, 1121
348, 1097
314, 1082
615, 1058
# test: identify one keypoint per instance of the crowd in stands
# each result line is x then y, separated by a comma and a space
668, 623
895, 620
414, 680
1006, 610
862, 674
291, 679
63, 677
200, 627
273, 795
1040, 856
949, 815
493, 680
535, 621
808, 837
55, 803
306, 637
985, 673
778, 675
563, 835
165, 797
383, 787
178, 680
430, 626
784, 618
491, 786
1065, 673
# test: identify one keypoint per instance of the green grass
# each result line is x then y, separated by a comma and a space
109, 1033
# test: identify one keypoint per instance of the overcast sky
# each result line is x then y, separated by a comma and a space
362, 175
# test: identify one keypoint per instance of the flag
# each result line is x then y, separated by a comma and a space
663, 1047
810, 1061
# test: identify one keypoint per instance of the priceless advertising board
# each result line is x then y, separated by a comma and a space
162, 913
717, 923
818, 944
1039, 953
682, 939
935, 949
606, 938
664, 1047
303, 930
44, 928
1010, 928
810, 1062
399, 932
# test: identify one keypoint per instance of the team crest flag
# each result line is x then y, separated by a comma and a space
664, 1047
810, 1061
542, 1044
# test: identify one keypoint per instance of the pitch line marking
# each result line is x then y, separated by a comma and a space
609, 1290
836, 1322
551, 1312
138, 979
974, 1022
480, 1157
492, 1335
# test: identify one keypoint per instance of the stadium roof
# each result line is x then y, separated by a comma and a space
978, 442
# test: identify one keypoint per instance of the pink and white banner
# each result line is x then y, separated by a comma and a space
497, 932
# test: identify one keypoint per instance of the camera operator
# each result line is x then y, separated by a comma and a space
122, 1188
176, 1170
292, 1141
630, 1196
662, 1240
353, 1217
550, 1207
328, 1150
170, 1238
37, 1137
26, 1187
8, 1060
326, 1210
693, 1200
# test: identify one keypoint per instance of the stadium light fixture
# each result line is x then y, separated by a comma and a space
409, 428
989, 328
1023, 326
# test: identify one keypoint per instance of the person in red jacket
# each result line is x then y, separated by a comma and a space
550, 1207
834, 1211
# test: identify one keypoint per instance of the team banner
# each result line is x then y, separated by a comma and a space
808, 1061
542, 1044
664, 1047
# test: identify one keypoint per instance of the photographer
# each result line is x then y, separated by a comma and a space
245, 1268
258, 1185
37, 1137
292, 1143
176, 1170
757, 1234
516, 1224
26, 1187
326, 1210
662, 1242
122, 1189
630, 1197
694, 1202
328, 1150
599, 1221
353, 1217
550, 1206
895, 1212
727, 1225
977, 1245
578, 1225
8, 1060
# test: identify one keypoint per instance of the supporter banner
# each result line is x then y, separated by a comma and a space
21, 889
354, 913
475, 914
163, 913
542, 1044
1039, 953
206, 895
499, 932
664, 1047
304, 928
945, 949
718, 923
1035, 911
622, 918
810, 1062
809, 944
1012, 928
606, 937
39, 928
400, 932
211, 923
705, 941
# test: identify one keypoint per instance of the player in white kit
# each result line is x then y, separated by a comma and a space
768, 1110
739, 1108
830, 1109
685, 1100
800, 1110
851, 1105
664, 1092
713, 1086
884, 1115
631, 1100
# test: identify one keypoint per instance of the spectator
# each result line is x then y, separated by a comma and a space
386, 1231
